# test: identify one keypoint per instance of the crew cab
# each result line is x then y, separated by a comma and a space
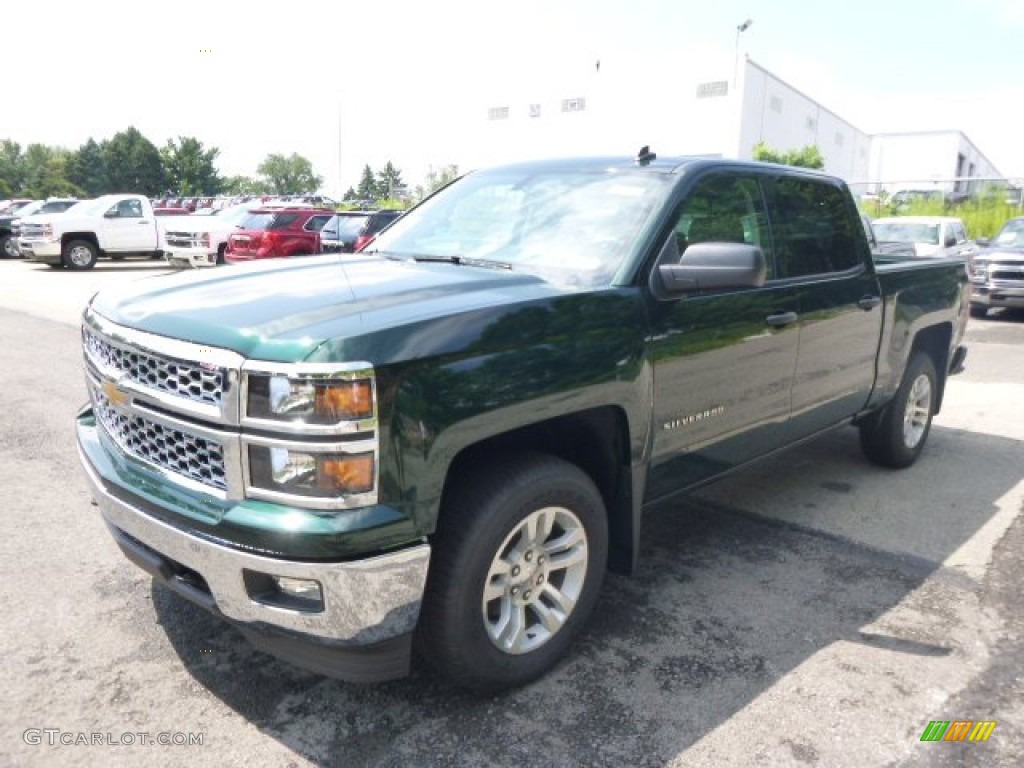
270, 233
997, 270
446, 439
111, 225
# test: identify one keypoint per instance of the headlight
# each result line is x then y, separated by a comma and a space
47, 230
307, 402
979, 269
204, 239
276, 470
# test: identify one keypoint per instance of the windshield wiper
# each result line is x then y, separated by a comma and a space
464, 261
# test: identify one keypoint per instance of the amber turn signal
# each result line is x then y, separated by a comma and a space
345, 400
349, 474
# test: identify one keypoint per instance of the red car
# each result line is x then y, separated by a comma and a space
275, 233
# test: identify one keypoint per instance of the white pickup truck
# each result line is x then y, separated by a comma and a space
200, 241
112, 225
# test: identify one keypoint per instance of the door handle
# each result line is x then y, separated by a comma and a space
782, 319
143, 222
869, 302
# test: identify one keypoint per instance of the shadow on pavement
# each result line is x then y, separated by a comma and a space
725, 603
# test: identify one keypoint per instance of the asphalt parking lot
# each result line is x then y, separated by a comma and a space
812, 610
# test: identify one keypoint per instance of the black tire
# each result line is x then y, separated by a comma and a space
477, 524
220, 253
79, 254
979, 311
894, 437
8, 249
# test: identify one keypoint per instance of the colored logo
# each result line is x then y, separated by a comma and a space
115, 394
958, 730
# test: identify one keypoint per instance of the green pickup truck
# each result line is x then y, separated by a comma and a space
444, 441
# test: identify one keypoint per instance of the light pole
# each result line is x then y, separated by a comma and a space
740, 29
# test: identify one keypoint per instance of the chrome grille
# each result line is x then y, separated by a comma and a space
184, 239
175, 450
31, 230
194, 381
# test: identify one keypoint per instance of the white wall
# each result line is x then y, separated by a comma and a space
786, 119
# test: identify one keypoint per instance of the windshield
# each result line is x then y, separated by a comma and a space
907, 232
234, 215
345, 227
80, 207
573, 228
1012, 234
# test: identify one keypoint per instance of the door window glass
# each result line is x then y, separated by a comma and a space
813, 228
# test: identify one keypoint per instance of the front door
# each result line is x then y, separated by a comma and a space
723, 360
129, 230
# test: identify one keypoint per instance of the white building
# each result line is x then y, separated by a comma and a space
945, 160
706, 105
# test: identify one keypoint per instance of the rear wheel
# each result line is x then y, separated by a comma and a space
896, 436
79, 254
220, 253
518, 561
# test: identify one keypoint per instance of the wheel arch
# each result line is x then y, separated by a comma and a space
595, 440
89, 237
935, 342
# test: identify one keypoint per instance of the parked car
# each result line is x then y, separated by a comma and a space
112, 225
172, 212
930, 235
997, 270
201, 240
9, 207
268, 233
10, 223
885, 249
450, 442
350, 231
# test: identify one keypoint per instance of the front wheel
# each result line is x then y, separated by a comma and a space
896, 436
979, 311
80, 254
518, 561
8, 248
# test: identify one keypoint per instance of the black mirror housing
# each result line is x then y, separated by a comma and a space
713, 266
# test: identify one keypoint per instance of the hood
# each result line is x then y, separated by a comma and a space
197, 224
284, 309
1001, 253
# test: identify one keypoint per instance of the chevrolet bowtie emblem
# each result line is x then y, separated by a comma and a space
115, 394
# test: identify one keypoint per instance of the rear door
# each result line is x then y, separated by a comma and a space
820, 252
723, 360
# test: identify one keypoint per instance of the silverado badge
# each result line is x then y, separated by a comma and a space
115, 394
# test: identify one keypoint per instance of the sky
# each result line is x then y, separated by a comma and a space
348, 84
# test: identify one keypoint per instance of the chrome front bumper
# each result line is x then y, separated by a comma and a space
365, 602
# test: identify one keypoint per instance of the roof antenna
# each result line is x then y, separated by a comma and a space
645, 156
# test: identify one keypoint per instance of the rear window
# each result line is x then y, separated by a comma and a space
345, 227
268, 220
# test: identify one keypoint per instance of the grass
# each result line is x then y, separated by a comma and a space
982, 218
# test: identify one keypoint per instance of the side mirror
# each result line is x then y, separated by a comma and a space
950, 240
982, 241
111, 214
710, 266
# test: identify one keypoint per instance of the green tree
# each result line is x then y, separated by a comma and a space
367, 189
46, 173
86, 168
241, 185
437, 179
805, 157
133, 164
12, 167
288, 175
389, 182
189, 168
350, 194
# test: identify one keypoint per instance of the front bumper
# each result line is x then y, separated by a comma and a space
47, 250
998, 293
190, 257
362, 631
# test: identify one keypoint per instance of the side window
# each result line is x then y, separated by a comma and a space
961, 235
813, 228
316, 223
725, 208
283, 220
129, 209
